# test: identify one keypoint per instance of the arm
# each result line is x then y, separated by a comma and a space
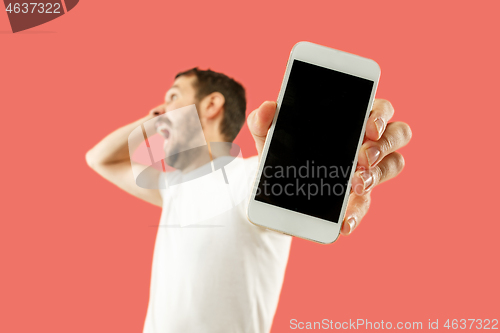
110, 158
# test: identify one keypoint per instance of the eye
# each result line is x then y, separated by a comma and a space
173, 97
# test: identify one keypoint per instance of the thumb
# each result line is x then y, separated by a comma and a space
259, 122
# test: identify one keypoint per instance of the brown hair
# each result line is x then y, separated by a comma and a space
208, 82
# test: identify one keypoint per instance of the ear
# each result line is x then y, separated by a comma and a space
212, 105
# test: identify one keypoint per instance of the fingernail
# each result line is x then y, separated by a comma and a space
360, 167
372, 155
352, 223
379, 123
367, 178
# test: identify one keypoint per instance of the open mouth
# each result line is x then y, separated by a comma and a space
163, 130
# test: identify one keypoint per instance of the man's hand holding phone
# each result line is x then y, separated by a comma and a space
378, 160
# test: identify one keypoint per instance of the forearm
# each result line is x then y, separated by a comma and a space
114, 147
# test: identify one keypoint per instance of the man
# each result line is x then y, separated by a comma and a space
224, 274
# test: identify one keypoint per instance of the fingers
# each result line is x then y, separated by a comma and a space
364, 180
379, 117
378, 160
357, 208
259, 122
359, 199
395, 136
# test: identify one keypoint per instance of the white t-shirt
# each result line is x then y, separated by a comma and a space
214, 271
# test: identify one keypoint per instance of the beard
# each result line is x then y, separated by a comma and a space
172, 154
172, 160
183, 159
179, 152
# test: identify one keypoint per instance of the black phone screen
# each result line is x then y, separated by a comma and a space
313, 147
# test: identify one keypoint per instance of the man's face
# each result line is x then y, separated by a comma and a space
179, 128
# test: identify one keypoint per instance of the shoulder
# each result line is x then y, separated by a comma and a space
252, 160
243, 168
167, 177
251, 163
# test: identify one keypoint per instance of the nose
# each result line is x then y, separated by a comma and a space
160, 109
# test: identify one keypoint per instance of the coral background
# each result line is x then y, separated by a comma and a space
76, 251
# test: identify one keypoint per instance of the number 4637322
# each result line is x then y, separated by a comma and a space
479, 324
34, 7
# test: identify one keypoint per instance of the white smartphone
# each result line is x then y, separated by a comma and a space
304, 177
